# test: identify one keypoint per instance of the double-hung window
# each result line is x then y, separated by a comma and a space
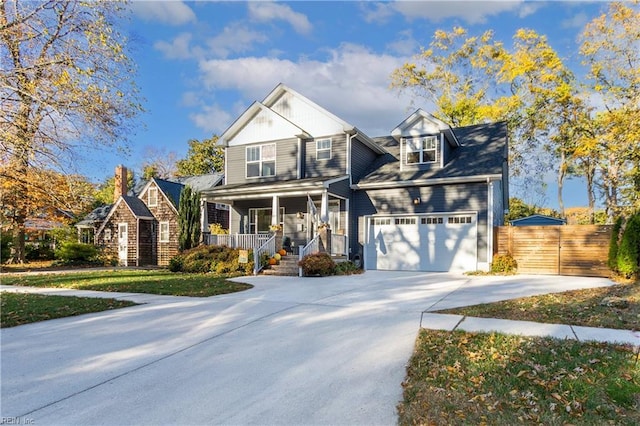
153, 197
261, 160
164, 232
422, 150
323, 149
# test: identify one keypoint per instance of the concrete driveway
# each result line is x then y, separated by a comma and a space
289, 351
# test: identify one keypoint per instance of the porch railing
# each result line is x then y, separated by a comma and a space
338, 245
241, 241
268, 247
312, 247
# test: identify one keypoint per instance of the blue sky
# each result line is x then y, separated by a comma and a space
201, 64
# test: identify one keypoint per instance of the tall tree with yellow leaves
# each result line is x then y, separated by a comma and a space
611, 49
65, 84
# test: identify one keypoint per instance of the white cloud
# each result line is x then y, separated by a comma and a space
473, 12
352, 83
212, 119
579, 20
265, 11
167, 12
406, 45
234, 38
178, 48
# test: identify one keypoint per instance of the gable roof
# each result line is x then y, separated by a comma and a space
273, 109
405, 128
135, 205
482, 153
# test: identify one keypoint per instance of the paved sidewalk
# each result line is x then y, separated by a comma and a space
528, 328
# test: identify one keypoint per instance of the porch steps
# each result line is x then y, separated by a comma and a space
288, 266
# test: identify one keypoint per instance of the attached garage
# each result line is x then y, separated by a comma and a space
429, 242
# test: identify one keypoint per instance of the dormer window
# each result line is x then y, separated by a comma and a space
152, 197
423, 150
323, 149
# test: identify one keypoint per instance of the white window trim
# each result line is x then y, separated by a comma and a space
408, 150
166, 234
260, 161
319, 150
253, 216
152, 201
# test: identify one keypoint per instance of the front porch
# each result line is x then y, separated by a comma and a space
300, 220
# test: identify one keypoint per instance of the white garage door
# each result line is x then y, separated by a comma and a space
443, 242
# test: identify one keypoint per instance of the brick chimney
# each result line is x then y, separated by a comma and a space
120, 182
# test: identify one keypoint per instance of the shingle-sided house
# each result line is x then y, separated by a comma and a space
142, 229
426, 197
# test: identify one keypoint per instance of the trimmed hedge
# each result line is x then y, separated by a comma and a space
628, 257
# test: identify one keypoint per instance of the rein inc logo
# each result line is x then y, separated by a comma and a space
17, 421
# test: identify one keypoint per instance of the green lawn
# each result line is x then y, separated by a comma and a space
24, 308
133, 281
576, 307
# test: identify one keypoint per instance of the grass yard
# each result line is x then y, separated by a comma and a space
133, 281
480, 378
576, 307
23, 308
476, 378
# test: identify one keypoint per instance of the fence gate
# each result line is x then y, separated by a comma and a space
562, 250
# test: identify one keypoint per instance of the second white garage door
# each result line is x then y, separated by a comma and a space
443, 242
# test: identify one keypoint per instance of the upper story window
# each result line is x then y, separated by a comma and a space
323, 149
261, 160
422, 150
152, 197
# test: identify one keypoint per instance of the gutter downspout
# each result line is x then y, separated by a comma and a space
137, 241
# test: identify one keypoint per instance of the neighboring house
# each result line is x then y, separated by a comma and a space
425, 198
38, 226
538, 220
88, 226
142, 229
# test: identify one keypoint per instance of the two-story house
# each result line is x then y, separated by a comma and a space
426, 197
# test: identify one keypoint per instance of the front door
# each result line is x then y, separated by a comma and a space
123, 243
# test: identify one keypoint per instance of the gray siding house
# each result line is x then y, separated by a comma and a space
426, 197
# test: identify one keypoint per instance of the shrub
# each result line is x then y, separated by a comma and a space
612, 260
41, 252
76, 252
347, 268
629, 249
503, 264
317, 264
216, 259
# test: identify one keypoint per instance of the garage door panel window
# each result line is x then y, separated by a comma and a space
405, 221
431, 221
459, 219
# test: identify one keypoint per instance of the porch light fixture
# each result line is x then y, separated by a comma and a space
416, 201
300, 215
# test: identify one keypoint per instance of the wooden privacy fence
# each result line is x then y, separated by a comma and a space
563, 250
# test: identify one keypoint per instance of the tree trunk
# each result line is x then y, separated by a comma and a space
562, 173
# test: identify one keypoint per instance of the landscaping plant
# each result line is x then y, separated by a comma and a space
317, 264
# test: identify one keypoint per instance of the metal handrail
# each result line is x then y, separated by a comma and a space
268, 247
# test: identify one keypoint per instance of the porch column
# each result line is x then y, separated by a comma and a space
275, 211
204, 221
324, 207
